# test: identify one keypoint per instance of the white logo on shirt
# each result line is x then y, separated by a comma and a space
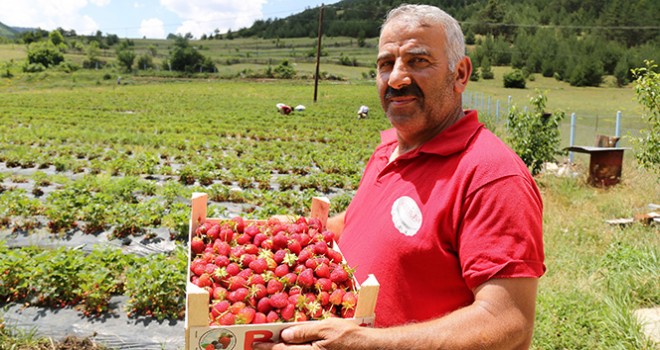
406, 216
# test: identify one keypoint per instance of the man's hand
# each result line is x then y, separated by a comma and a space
329, 334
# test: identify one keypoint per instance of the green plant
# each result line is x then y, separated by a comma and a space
647, 90
157, 286
514, 79
534, 135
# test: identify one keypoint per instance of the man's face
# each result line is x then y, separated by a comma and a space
414, 82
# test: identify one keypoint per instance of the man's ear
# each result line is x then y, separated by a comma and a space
462, 72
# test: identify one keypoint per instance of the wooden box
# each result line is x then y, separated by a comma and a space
199, 334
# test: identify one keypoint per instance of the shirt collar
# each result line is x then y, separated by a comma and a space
451, 140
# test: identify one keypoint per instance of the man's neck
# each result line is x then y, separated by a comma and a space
407, 143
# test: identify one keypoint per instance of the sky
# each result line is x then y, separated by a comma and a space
153, 19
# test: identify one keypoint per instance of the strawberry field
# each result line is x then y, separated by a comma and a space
96, 180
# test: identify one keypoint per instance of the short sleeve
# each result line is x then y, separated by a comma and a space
501, 235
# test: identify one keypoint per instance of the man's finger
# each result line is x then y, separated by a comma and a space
300, 334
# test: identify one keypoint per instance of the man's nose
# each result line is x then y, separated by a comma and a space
399, 76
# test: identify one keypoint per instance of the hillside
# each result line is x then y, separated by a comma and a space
629, 22
6, 31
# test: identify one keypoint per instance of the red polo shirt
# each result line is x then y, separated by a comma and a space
441, 220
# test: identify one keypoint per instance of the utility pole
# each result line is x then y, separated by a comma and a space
318, 53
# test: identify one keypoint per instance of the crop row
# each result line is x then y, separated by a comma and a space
132, 206
72, 278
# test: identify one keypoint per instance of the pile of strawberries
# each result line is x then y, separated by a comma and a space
271, 271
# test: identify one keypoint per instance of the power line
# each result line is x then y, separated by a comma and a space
560, 26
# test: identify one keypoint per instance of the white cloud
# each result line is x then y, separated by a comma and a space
152, 28
100, 3
49, 15
204, 16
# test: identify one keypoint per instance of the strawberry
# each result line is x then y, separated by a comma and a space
219, 293
238, 295
279, 256
221, 247
236, 282
306, 278
337, 296
227, 319
290, 279
256, 280
272, 316
259, 318
221, 261
347, 313
324, 298
280, 241
322, 270
213, 232
259, 265
219, 308
263, 305
245, 315
315, 223
240, 224
324, 285
243, 239
197, 245
236, 307
339, 274
258, 291
349, 300
204, 280
279, 300
288, 312
294, 246
281, 270
252, 230
334, 256
320, 248
274, 286
259, 238
328, 236
233, 269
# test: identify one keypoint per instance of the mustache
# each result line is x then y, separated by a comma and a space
408, 90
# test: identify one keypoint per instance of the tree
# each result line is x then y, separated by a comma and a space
486, 70
93, 53
44, 53
534, 136
185, 58
588, 72
647, 90
56, 37
126, 55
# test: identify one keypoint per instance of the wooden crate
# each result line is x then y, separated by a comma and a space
197, 329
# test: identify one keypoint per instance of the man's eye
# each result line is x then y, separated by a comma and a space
418, 60
384, 64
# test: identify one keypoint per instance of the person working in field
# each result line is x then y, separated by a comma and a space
446, 216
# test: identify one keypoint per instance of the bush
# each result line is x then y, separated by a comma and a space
535, 136
44, 53
647, 90
514, 79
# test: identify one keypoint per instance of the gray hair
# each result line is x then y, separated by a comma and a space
429, 15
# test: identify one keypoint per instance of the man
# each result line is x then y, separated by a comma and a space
446, 217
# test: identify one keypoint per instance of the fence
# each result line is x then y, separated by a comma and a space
575, 129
